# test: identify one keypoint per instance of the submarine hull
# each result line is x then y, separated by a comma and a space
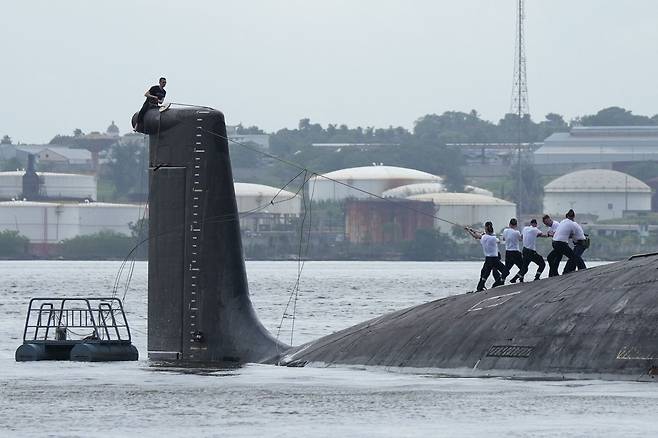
601, 321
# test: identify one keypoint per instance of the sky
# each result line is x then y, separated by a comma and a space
81, 64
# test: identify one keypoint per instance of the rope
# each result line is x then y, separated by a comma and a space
294, 292
209, 220
140, 220
319, 175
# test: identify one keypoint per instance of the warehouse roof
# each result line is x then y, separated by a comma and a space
599, 144
597, 180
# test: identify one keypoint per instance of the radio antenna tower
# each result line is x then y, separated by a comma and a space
520, 95
520, 89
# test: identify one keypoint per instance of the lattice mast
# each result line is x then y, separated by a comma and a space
519, 105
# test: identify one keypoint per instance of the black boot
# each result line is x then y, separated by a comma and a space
513, 280
537, 276
480, 285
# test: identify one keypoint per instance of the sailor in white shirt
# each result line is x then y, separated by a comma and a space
492, 262
551, 224
579, 246
530, 254
563, 233
512, 238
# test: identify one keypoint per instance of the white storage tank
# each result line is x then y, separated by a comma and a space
431, 187
257, 214
50, 222
253, 196
373, 179
94, 217
40, 222
53, 185
68, 186
11, 184
468, 209
600, 192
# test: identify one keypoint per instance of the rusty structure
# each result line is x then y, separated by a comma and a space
383, 221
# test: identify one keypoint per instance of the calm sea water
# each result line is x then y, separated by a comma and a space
127, 399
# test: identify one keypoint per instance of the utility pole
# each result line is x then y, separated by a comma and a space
520, 96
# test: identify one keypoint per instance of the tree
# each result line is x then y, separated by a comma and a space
128, 169
102, 245
531, 190
453, 127
140, 233
249, 130
614, 116
5, 140
13, 244
430, 244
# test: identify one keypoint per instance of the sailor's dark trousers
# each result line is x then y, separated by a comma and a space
577, 261
530, 255
140, 116
492, 264
513, 258
555, 257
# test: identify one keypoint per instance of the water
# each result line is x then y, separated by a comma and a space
125, 399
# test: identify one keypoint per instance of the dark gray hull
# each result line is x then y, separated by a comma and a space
598, 322
199, 309
601, 321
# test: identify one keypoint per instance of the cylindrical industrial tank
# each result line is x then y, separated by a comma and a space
53, 186
98, 216
11, 184
603, 193
430, 187
68, 186
468, 209
253, 196
372, 179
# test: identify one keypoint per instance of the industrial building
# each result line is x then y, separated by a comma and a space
55, 158
468, 209
51, 185
256, 212
374, 179
603, 193
48, 223
596, 146
380, 221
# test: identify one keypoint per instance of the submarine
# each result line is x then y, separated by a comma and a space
597, 323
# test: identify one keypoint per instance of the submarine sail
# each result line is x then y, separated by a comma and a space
198, 299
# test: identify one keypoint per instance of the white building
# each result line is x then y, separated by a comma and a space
600, 192
257, 213
53, 185
372, 179
50, 222
468, 209
586, 147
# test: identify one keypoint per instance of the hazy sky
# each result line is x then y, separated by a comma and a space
81, 64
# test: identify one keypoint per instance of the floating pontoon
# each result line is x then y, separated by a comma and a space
77, 329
